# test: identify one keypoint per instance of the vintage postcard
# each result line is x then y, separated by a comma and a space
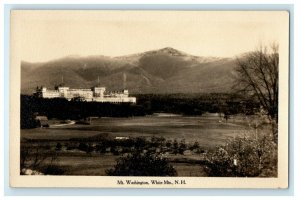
149, 99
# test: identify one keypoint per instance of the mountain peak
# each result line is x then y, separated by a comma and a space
171, 51
166, 50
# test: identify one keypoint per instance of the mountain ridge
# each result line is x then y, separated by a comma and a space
165, 70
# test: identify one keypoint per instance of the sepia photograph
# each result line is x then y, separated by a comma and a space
175, 99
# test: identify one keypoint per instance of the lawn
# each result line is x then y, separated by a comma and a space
208, 131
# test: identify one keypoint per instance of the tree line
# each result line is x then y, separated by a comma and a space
189, 104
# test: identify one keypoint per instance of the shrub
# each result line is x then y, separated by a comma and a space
140, 142
58, 147
168, 143
244, 157
82, 146
182, 146
53, 170
175, 147
138, 164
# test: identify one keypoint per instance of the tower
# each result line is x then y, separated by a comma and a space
124, 80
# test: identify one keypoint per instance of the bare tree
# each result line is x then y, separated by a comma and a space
257, 76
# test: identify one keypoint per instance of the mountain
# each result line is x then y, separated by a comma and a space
165, 70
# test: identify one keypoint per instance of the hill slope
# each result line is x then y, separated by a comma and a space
165, 70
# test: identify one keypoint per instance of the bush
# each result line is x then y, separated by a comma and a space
85, 147
58, 147
182, 146
138, 164
244, 157
140, 143
53, 170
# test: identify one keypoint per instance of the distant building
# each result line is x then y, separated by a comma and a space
42, 121
121, 138
97, 94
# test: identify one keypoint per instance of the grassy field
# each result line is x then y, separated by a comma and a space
209, 131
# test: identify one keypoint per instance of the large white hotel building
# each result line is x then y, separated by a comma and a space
97, 94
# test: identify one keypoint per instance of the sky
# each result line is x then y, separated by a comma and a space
40, 36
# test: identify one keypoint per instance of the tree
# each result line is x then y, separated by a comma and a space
138, 164
257, 76
243, 157
34, 160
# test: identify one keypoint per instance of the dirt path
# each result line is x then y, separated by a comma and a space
65, 124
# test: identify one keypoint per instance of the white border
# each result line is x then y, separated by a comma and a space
17, 180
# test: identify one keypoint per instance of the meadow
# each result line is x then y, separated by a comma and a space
207, 131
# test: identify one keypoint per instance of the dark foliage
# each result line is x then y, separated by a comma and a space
58, 146
138, 164
53, 170
182, 146
63, 109
197, 104
191, 104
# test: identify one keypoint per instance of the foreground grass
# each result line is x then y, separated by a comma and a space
209, 132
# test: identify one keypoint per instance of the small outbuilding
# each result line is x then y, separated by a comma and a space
42, 121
